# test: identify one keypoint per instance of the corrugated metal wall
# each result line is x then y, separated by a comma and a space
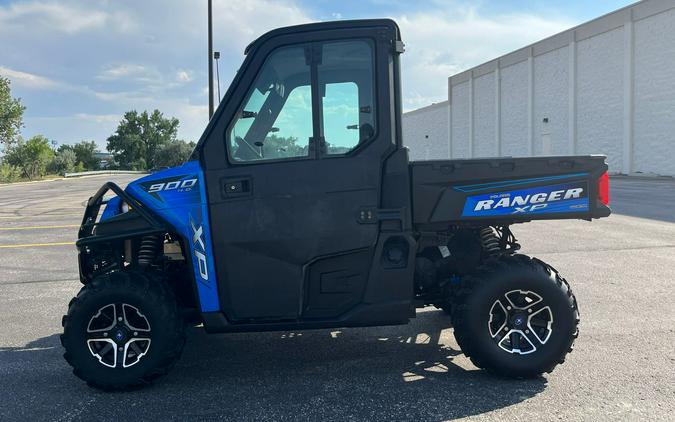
605, 87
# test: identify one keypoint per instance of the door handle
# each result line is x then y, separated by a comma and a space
236, 187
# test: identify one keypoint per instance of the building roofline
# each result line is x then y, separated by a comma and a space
610, 21
445, 103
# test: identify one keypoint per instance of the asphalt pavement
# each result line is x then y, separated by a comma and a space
622, 368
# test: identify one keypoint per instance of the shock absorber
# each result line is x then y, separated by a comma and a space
148, 250
490, 242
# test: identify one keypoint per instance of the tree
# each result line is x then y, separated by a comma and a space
85, 153
174, 153
30, 156
11, 114
280, 147
139, 138
63, 162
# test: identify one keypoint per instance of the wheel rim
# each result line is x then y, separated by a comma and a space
118, 335
520, 322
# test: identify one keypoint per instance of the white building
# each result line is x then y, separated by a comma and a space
604, 87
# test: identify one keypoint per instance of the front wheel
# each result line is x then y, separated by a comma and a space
122, 330
516, 317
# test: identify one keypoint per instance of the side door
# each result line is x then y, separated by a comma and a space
304, 152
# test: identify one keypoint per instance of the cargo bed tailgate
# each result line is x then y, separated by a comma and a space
508, 190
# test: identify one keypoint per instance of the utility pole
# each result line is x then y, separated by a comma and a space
210, 60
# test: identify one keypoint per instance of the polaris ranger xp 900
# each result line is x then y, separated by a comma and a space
300, 209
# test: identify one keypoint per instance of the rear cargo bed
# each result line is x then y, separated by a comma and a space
507, 190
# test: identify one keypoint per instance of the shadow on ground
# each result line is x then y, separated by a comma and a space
376, 374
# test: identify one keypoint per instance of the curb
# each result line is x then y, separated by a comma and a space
3, 185
103, 172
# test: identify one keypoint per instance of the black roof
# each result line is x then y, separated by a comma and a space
356, 23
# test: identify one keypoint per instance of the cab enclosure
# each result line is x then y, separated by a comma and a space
300, 207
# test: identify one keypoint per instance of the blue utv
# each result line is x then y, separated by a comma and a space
300, 209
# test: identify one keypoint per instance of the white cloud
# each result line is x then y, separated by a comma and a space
237, 23
29, 80
183, 76
53, 16
124, 71
441, 44
98, 118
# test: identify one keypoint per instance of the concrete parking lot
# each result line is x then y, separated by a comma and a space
622, 368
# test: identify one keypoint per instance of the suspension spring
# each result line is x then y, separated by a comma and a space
148, 250
490, 242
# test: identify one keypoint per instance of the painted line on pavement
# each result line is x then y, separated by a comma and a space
62, 226
31, 245
19, 217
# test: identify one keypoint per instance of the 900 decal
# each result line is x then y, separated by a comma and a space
179, 185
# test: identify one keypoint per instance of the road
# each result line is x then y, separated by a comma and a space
622, 368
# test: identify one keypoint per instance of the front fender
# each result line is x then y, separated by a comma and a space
177, 196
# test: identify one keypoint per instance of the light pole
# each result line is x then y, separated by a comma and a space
210, 30
216, 55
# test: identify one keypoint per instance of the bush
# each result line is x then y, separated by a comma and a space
173, 153
30, 156
85, 153
63, 162
9, 173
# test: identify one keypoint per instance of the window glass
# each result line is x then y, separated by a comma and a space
341, 117
293, 127
347, 89
276, 119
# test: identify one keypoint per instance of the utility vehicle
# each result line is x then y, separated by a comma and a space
300, 209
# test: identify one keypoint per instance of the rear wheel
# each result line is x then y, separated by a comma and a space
122, 330
515, 316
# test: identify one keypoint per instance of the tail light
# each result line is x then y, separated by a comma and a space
603, 188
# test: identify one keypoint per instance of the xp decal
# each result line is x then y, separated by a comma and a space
199, 249
571, 197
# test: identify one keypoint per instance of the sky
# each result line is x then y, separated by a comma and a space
78, 65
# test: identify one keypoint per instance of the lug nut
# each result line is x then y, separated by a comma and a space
135, 333
121, 349
119, 318
105, 334
508, 308
529, 310
506, 328
527, 331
